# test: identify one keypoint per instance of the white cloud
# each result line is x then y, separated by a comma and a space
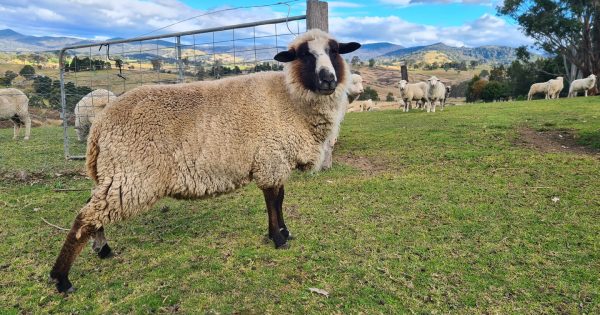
117, 18
486, 30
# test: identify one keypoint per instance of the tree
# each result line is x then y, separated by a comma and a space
9, 76
568, 28
27, 72
390, 97
355, 61
474, 89
494, 91
217, 69
498, 73
473, 64
156, 64
201, 73
371, 63
484, 73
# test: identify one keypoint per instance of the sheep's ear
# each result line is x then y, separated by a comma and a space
345, 48
286, 56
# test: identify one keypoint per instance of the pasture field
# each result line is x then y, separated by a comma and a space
488, 208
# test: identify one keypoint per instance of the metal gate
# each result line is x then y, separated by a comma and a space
207, 54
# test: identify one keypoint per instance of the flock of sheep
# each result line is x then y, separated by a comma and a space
429, 94
552, 88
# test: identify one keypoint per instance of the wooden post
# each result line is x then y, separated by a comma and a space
317, 15
404, 72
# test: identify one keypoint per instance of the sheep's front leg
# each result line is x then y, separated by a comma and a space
16, 129
586, 94
273, 197
279, 206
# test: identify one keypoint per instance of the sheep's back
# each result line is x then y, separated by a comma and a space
200, 138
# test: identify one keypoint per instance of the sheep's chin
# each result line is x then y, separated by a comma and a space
325, 92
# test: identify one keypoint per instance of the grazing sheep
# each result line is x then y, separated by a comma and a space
209, 138
437, 93
14, 105
555, 86
582, 85
354, 91
366, 106
88, 108
413, 92
537, 88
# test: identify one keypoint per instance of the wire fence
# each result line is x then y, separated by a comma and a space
70, 87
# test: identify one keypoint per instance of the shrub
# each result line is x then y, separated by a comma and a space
369, 93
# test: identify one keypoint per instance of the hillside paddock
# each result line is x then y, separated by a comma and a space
488, 208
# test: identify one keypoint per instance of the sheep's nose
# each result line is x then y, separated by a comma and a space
327, 77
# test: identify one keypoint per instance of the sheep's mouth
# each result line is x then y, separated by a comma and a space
325, 91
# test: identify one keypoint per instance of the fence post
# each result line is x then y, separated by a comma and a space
63, 104
179, 61
317, 15
404, 72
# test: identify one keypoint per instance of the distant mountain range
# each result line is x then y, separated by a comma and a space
13, 41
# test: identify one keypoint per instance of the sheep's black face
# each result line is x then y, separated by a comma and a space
318, 63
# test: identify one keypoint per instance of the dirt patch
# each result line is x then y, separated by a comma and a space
28, 177
367, 165
553, 141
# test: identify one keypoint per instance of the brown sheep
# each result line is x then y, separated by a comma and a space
209, 138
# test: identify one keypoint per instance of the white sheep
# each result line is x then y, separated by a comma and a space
356, 88
88, 108
413, 92
366, 106
555, 86
537, 88
203, 139
437, 93
354, 91
582, 85
14, 105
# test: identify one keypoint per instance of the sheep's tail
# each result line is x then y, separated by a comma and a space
91, 160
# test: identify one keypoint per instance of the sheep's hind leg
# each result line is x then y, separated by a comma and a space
272, 198
100, 245
76, 239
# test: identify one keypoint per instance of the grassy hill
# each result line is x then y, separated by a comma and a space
478, 209
484, 54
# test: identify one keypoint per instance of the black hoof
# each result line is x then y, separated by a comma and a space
63, 285
105, 252
286, 233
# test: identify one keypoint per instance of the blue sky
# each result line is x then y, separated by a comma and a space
406, 22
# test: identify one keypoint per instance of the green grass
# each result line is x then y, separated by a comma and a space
448, 215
